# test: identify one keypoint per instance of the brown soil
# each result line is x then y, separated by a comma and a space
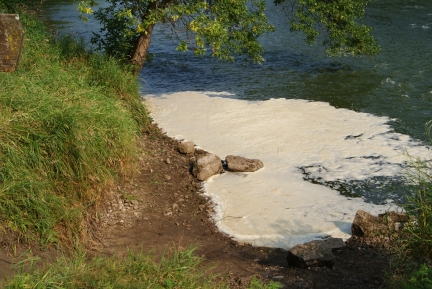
162, 207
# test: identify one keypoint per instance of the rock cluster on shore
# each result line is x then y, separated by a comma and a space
208, 164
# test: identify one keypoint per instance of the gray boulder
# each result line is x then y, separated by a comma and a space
316, 253
186, 147
241, 164
206, 166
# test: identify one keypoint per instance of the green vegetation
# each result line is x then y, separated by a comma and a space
69, 121
69, 126
225, 28
413, 268
179, 269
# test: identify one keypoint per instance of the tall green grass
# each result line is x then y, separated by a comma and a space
69, 122
413, 266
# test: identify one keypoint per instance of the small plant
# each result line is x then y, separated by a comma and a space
420, 278
256, 284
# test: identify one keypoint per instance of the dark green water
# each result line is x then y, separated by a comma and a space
397, 83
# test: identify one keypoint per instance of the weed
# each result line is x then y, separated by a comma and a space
412, 265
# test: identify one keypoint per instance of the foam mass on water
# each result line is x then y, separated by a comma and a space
310, 150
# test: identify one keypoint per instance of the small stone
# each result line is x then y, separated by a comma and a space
167, 177
168, 161
186, 147
134, 202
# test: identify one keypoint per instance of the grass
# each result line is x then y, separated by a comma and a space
69, 124
176, 269
413, 262
138, 270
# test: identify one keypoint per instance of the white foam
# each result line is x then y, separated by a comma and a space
274, 206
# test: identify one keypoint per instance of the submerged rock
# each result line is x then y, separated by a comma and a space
241, 164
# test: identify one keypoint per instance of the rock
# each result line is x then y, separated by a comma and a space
186, 147
206, 166
315, 253
334, 243
241, 164
366, 225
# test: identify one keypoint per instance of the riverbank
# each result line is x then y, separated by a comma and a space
83, 170
161, 208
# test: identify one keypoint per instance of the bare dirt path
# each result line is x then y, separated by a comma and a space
162, 207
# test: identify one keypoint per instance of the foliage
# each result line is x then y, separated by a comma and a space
222, 28
421, 278
228, 28
411, 275
178, 269
337, 21
69, 121
16, 6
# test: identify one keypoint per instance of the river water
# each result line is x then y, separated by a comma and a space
331, 131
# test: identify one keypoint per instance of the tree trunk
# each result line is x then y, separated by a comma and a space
141, 49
